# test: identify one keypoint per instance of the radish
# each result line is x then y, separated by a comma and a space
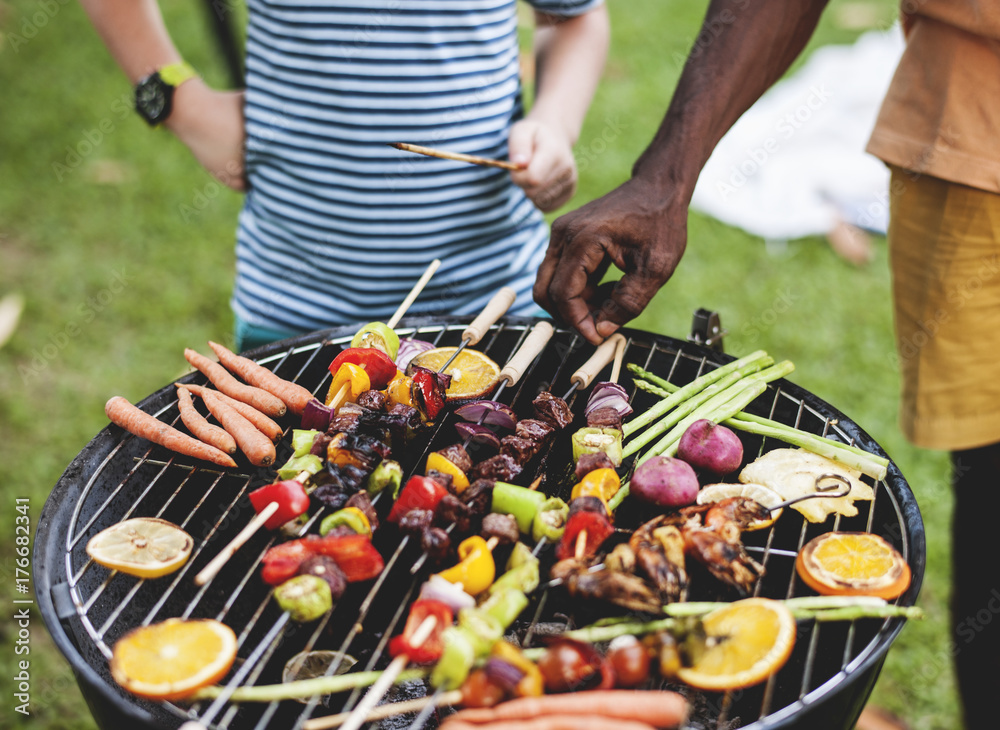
665, 482
713, 448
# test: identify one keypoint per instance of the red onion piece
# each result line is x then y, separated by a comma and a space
451, 594
316, 416
503, 674
477, 434
608, 395
409, 349
487, 412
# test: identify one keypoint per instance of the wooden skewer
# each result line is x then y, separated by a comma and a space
414, 293
212, 569
459, 156
385, 711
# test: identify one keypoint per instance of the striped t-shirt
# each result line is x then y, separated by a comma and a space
337, 226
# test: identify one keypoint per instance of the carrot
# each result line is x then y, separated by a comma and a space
222, 379
292, 394
139, 423
257, 447
264, 424
661, 708
199, 426
551, 722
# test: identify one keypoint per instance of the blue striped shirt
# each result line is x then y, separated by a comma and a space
337, 226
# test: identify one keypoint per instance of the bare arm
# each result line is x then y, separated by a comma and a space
209, 122
641, 227
569, 59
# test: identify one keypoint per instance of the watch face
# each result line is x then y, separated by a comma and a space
152, 99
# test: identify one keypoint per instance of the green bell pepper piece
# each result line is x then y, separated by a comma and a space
505, 605
298, 464
521, 502
550, 521
457, 658
482, 627
387, 475
350, 516
595, 440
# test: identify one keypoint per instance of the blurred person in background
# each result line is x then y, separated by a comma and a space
939, 131
336, 226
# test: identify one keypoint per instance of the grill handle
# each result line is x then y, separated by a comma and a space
495, 309
532, 347
605, 352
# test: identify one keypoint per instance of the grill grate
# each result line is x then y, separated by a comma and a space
133, 479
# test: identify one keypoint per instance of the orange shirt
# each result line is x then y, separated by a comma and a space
941, 115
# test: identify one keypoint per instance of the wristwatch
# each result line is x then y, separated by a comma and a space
154, 94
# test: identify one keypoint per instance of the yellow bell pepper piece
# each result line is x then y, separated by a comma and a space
601, 483
398, 389
476, 569
439, 463
354, 377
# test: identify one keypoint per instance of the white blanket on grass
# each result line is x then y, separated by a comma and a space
795, 163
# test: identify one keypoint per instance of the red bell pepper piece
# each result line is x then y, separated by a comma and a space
598, 530
291, 498
282, 561
355, 554
379, 368
419, 493
428, 392
429, 650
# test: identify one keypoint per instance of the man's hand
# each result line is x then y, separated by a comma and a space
210, 123
550, 177
636, 227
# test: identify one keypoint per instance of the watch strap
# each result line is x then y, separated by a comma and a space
175, 74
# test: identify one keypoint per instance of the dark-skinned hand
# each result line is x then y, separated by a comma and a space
636, 227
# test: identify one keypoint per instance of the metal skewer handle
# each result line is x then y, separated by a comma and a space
605, 353
533, 345
828, 491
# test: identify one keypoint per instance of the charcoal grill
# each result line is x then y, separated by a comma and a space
86, 608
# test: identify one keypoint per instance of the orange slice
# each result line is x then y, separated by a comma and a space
747, 642
853, 564
473, 375
147, 547
174, 658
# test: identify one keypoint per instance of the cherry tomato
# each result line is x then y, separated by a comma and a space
630, 661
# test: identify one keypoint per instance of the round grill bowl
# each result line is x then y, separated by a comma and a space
823, 686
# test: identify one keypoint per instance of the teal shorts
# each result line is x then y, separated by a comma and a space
250, 336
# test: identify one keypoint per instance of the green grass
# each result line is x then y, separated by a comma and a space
117, 283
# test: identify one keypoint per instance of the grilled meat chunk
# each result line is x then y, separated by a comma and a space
519, 449
552, 410
533, 430
659, 553
479, 497
363, 502
325, 567
374, 400
458, 456
445, 480
622, 589
453, 511
435, 543
346, 423
416, 521
501, 467
590, 462
502, 527
604, 418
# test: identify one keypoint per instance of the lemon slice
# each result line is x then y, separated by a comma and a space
172, 659
757, 492
310, 664
473, 375
747, 642
147, 547
853, 564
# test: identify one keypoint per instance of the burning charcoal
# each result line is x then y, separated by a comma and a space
502, 527
452, 510
416, 521
604, 418
590, 462
373, 400
325, 567
533, 430
519, 449
435, 543
445, 480
479, 497
501, 467
457, 455
553, 410
363, 502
